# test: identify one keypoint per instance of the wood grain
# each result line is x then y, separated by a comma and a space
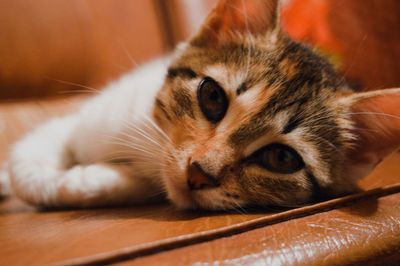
33, 237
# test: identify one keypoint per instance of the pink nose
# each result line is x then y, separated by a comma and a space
199, 179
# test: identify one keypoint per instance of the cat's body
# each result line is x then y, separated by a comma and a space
239, 115
75, 169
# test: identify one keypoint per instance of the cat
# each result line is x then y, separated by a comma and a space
239, 115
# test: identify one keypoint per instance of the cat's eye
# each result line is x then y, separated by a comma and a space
212, 100
279, 158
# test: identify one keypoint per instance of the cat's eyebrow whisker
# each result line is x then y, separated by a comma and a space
309, 119
322, 139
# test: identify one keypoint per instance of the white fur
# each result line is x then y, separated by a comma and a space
65, 161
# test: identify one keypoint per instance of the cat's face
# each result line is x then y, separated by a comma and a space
252, 120
259, 120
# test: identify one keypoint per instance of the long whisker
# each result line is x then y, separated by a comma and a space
338, 127
157, 128
141, 132
122, 140
238, 207
89, 89
128, 54
246, 20
375, 113
134, 146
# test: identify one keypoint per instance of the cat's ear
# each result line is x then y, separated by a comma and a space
232, 19
376, 128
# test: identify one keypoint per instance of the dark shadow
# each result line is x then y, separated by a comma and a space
364, 208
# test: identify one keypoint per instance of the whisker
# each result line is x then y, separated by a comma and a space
238, 207
142, 133
354, 59
128, 54
77, 91
89, 89
133, 147
375, 113
338, 127
134, 138
246, 20
157, 128
323, 140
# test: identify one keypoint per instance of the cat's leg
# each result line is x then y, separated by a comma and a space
43, 172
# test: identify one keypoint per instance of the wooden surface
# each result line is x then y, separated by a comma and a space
32, 237
364, 233
29, 236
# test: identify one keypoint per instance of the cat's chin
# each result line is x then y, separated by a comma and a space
185, 199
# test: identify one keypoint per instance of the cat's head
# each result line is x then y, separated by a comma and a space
256, 118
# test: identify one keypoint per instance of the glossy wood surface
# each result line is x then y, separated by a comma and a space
33, 237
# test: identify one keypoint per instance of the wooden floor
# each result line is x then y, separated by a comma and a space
29, 236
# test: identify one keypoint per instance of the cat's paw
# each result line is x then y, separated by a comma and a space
5, 186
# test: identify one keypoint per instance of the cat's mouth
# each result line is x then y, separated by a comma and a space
191, 194
185, 198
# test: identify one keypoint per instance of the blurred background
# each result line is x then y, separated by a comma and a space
56, 47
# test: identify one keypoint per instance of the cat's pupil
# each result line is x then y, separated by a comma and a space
279, 158
212, 100
214, 96
284, 156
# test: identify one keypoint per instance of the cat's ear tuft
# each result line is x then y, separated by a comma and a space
231, 19
376, 120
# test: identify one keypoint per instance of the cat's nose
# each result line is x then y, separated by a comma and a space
199, 179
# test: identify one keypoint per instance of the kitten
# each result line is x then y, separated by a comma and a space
240, 115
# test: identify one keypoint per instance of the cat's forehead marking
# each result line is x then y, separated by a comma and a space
184, 72
276, 123
229, 78
241, 107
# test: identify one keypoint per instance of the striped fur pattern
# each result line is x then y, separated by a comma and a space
279, 91
286, 96
240, 115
